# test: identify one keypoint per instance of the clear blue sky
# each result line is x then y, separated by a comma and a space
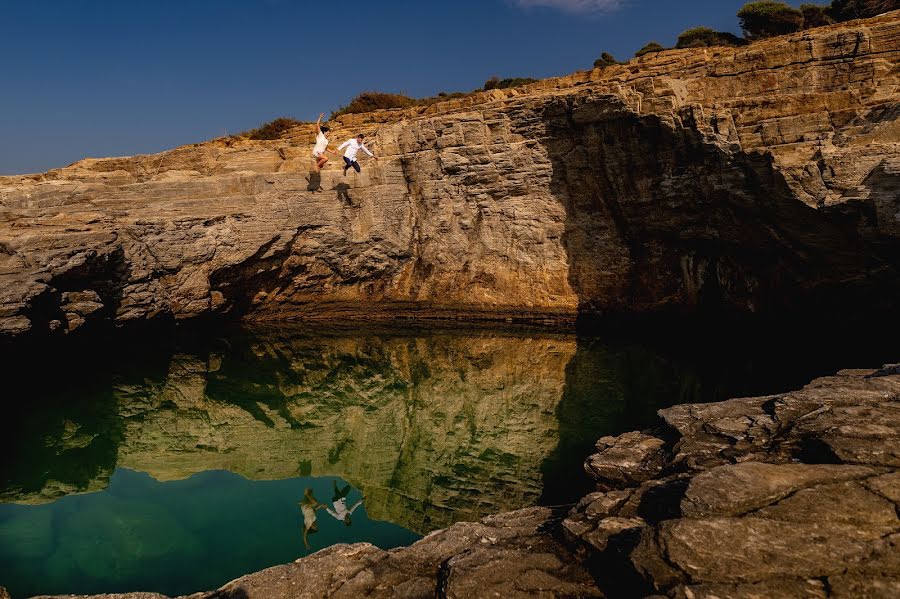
119, 77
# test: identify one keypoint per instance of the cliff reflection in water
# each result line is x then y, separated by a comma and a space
433, 428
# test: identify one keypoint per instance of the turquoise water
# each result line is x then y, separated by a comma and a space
177, 536
177, 465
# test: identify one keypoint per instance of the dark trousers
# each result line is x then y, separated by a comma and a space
351, 164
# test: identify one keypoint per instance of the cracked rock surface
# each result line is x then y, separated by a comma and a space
793, 495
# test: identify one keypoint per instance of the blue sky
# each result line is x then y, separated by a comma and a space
111, 78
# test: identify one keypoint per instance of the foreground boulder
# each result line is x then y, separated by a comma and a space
793, 495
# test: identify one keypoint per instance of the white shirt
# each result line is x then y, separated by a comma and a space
321, 144
340, 509
353, 146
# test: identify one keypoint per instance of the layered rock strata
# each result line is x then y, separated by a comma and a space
760, 179
791, 495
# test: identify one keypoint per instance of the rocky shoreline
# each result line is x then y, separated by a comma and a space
790, 495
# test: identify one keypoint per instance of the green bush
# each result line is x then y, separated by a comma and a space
767, 19
815, 15
606, 60
650, 48
273, 129
497, 83
844, 10
369, 101
702, 37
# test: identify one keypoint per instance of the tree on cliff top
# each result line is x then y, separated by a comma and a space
760, 20
606, 60
702, 37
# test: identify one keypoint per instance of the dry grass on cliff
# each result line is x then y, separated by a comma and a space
273, 129
371, 101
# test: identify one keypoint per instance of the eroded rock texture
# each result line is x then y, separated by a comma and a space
793, 495
762, 179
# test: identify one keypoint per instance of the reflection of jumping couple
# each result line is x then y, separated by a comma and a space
339, 501
308, 507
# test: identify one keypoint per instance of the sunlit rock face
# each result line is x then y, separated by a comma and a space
431, 431
760, 179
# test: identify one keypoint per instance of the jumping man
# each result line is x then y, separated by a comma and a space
340, 511
353, 146
321, 144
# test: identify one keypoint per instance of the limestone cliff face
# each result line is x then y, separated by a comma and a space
761, 179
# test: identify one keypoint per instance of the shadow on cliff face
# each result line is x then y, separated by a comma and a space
343, 194
660, 221
85, 296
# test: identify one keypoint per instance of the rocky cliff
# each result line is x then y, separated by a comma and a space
762, 180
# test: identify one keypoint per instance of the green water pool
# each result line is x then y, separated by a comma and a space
176, 536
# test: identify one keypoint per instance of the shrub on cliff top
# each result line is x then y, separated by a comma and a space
702, 37
369, 101
815, 15
273, 129
497, 83
760, 20
650, 48
606, 60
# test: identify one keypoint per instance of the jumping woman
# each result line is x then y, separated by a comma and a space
321, 144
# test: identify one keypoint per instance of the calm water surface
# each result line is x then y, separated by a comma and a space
180, 466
